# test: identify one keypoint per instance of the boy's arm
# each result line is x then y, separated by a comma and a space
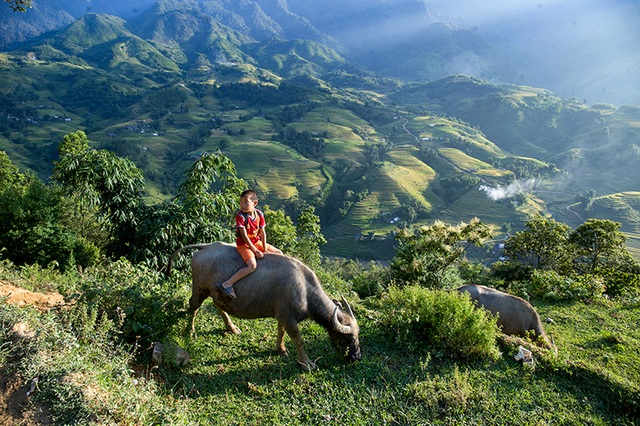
263, 237
247, 241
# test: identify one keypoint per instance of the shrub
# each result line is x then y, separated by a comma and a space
372, 281
140, 298
443, 319
551, 285
621, 283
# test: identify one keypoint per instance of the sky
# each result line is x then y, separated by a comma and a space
590, 48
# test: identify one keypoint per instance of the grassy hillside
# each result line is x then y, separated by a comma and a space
304, 125
85, 375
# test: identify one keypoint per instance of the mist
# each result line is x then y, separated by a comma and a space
587, 49
510, 190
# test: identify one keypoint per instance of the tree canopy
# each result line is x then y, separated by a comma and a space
426, 255
19, 5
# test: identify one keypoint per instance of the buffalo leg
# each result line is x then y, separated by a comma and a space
231, 327
280, 347
294, 334
197, 297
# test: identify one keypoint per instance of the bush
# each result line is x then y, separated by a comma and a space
446, 320
141, 299
551, 285
372, 281
621, 283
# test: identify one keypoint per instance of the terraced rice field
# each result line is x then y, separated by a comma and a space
280, 169
471, 164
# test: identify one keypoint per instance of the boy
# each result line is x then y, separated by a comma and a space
251, 239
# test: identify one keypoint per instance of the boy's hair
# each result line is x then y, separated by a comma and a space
250, 192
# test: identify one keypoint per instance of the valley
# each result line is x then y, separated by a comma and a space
303, 125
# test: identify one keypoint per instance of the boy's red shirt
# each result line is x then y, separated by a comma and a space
252, 225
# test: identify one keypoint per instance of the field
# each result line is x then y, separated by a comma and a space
239, 379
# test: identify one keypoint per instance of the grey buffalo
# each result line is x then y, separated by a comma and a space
516, 316
281, 287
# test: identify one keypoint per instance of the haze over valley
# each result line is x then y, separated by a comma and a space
380, 114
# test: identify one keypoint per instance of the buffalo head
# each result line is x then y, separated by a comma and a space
344, 332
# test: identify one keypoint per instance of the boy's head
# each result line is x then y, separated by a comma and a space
248, 200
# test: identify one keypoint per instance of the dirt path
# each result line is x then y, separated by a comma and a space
16, 408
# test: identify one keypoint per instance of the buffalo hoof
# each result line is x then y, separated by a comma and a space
282, 351
308, 366
233, 330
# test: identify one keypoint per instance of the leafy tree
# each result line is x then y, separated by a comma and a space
9, 173
428, 255
599, 243
309, 237
143, 232
19, 5
31, 229
102, 180
544, 244
281, 232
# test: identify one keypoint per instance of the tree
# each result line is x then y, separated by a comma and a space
101, 180
309, 237
599, 243
201, 211
281, 232
428, 255
9, 173
32, 229
19, 5
544, 244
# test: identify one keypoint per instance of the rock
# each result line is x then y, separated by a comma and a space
168, 354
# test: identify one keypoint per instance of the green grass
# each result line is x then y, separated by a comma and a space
238, 379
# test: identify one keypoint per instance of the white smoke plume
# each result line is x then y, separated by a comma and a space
515, 187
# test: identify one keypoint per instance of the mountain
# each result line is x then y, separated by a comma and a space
304, 123
587, 51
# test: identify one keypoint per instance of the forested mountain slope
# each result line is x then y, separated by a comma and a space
304, 124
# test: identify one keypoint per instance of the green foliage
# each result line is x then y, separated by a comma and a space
427, 256
143, 232
32, 230
551, 285
146, 306
549, 260
309, 237
452, 188
280, 230
543, 244
440, 319
10, 175
101, 180
620, 283
599, 243
372, 281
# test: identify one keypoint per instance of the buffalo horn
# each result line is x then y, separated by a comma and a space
337, 326
348, 307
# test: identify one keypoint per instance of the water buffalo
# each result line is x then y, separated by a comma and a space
516, 316
281, 287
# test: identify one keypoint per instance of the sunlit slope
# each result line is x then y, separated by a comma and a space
402, 179
622, 207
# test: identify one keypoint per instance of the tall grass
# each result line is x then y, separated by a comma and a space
413, 370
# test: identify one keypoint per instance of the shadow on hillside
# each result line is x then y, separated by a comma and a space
612, 399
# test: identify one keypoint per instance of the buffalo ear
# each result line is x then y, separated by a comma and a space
338, 304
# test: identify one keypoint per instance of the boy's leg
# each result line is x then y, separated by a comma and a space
252, 264
272, 249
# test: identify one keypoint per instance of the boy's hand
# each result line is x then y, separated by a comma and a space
259, 254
